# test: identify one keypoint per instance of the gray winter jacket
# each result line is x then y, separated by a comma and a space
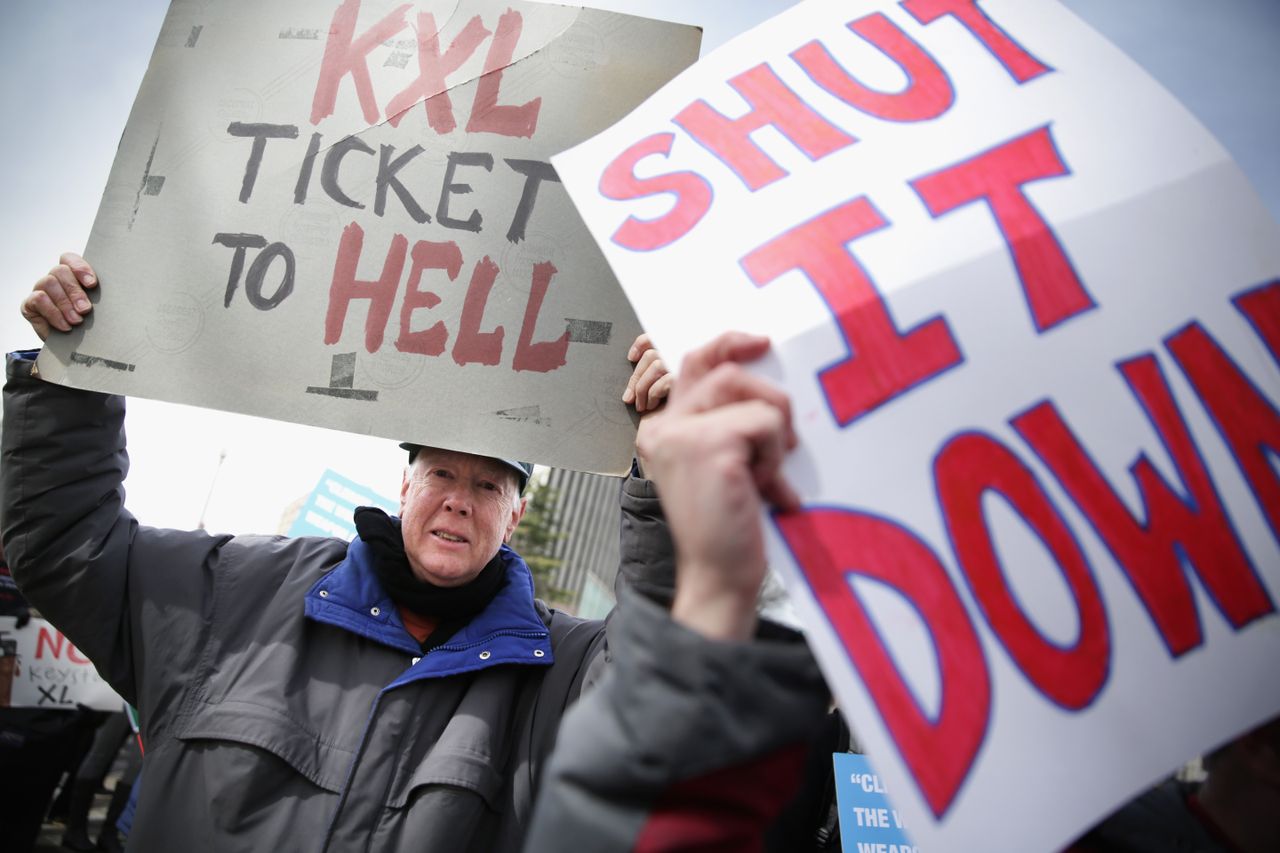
283, 706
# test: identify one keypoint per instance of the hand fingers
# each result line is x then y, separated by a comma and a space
647, 358
730, 383
49, 300
80, 267
776, 491
639, 347
737, 347
721, 406
659, 391
37, 308
69, 295
756, 432
765, 427
650, 391
58, 300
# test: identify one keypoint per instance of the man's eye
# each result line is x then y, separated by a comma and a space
489, 487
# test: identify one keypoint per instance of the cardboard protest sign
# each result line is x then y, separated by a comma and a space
330, 508
868, 821
1028, 313
342, 213
40, 668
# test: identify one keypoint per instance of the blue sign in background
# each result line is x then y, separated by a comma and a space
868, 822
328, 510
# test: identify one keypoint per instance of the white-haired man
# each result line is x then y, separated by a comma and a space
403, 691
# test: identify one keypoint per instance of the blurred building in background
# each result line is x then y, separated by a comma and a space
584, 515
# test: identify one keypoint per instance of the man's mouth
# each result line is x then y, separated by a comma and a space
448, 537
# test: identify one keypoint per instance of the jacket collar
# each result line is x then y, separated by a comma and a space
507, 631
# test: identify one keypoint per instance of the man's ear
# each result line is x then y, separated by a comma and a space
404, 486
517, 513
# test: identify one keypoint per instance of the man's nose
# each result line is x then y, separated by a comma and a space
458, 503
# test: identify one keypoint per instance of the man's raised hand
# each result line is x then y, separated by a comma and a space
716, 454
59, 299
650, 383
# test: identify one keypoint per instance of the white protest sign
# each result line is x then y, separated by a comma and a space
1028, 313
40, 668
343, 214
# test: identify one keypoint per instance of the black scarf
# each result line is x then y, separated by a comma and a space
452, 606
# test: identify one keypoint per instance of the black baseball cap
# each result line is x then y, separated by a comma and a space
523, 469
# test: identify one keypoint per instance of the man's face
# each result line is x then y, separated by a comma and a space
456, 510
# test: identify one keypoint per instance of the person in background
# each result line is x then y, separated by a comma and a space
809, 823
719, 445
715, 456
113, 738
37, 745
1236, 809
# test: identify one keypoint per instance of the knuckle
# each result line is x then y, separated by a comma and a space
726, 373
722, 466
769, 412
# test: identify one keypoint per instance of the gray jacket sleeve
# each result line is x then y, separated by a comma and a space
685, 741
648, 557
77, 553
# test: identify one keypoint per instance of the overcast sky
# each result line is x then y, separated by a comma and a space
71, 69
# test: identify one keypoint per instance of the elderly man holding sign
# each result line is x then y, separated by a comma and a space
404, 691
